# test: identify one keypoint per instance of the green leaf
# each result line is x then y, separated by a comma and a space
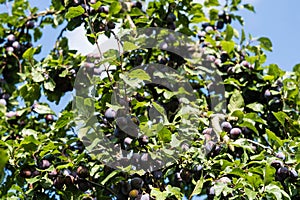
227, 46
265, 43
29, 143
272, 136
236, 101
3, 161
213, 14
198, 187
269, 172
257, 107
64, 120
243, 37
275, 71
174, 191
249, 7
112, 174
74, 12
115, 8
165, 135
139, 74
159, 108
229, 33
158, 194
37, 76
128, 46
49, 85
28, 54
250, 194
276, 191
43, 109
209, 3
281, 117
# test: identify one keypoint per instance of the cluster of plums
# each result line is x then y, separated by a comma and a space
207, 27
103, 10
274, 101
170, 19
60, 178
133, 189
282, 171
12, 44
4, 97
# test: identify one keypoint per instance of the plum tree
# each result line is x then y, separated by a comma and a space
52, 147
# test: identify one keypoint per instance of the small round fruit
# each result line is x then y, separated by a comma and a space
267, 94
235, 132
171, 26
157, 174
280, 155
58, 183
227, 19
220, 25
66, 172
282, 173
207, 131
144, 139
3, 102
293, 174
224, 179
218, 62
25, 173
136, 183
197, 168
111, 25
204, 25
128, 140
133, 193
110, 114
83, 172
83, 185
211, 58
11, 38
209, 29
9, 49
52, 174
185, 175
276, 164
16, 45
145, 197
30, 24
209, 146
35, 173
224, 56
137, 5
68, 180
44, 164
226, 126
49, 117
171, 17
244, 63
103, 9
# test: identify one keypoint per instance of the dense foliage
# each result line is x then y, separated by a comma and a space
254, 153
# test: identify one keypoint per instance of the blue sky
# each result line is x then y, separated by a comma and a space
278, 20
